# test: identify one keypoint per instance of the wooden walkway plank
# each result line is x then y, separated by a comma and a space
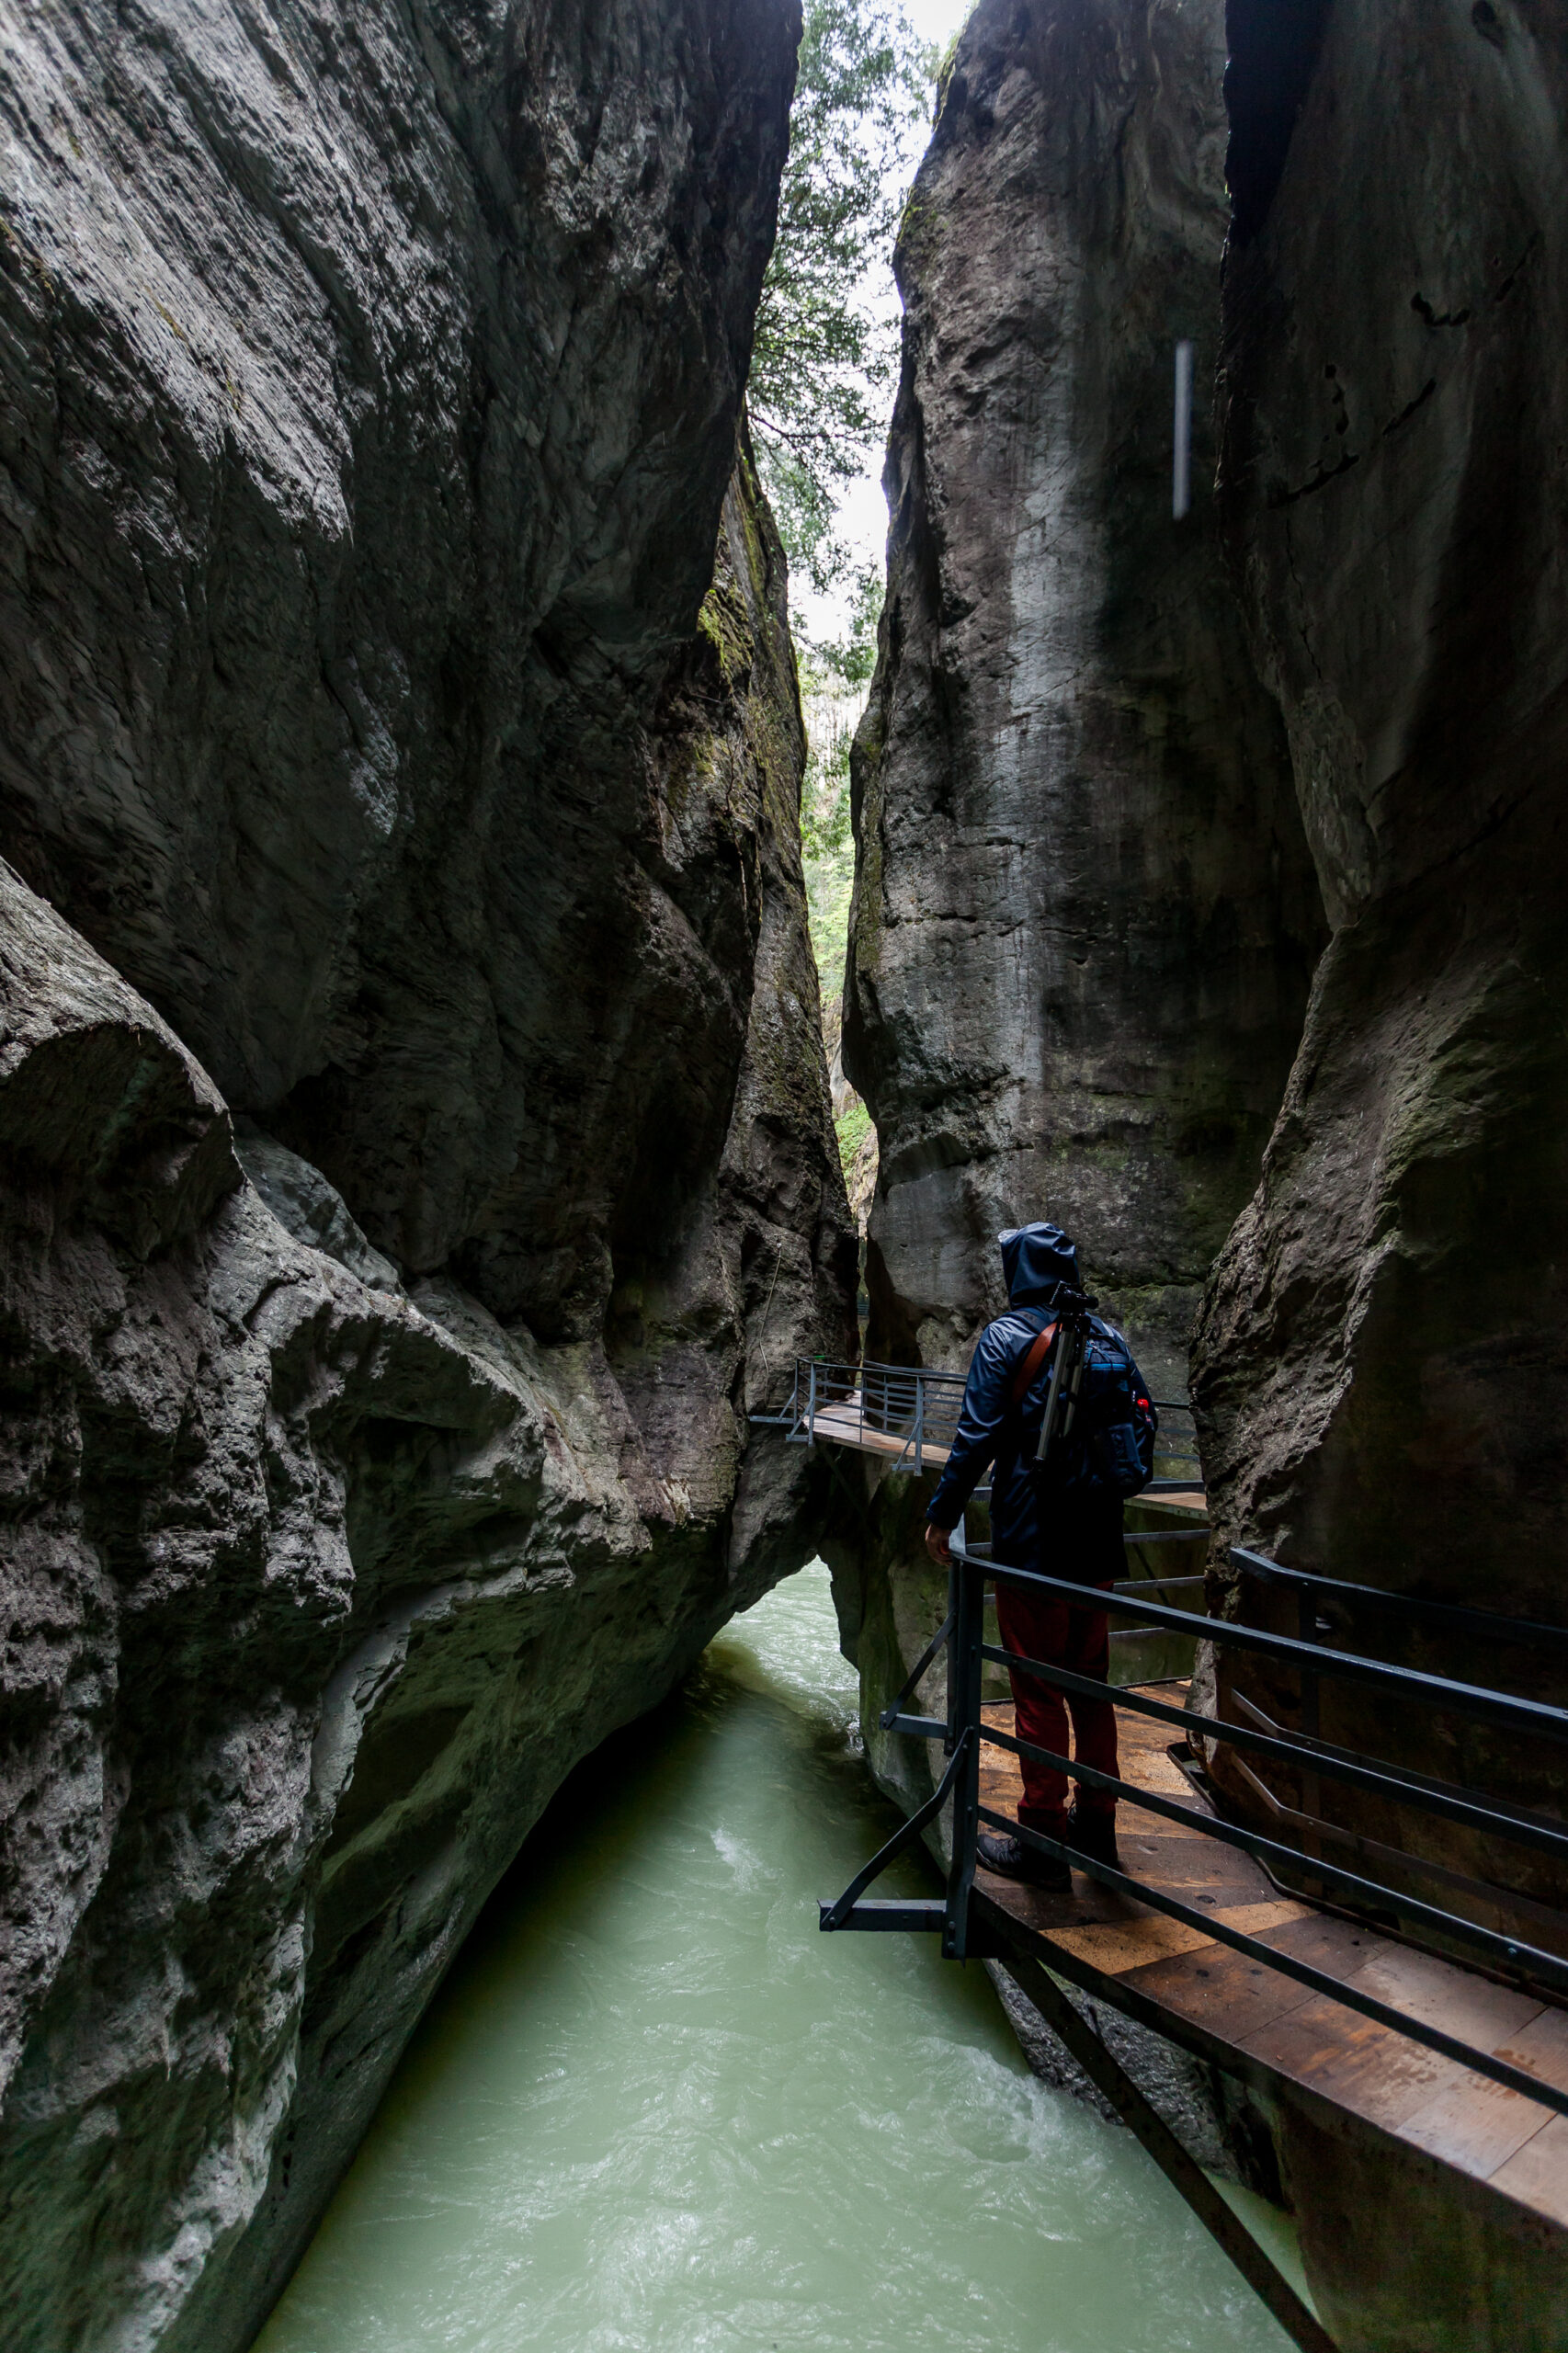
1232, 2007
1538, 2175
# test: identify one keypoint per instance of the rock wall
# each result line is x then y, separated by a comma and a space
371, 383
1381, 1365
1378, 1363
416, 1154
1085, 914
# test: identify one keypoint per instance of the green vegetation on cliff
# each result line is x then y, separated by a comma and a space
824, 354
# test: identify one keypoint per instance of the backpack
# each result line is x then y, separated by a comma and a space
1113, 1444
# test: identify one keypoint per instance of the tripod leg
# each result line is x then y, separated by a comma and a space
1054, 1397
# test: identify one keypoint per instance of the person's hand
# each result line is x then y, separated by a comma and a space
938, 1546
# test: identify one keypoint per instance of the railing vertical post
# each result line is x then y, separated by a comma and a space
954, 1726
1311, 1787
919, 1419
964, 1667
812, 1408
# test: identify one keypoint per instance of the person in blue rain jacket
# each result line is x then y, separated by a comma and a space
1069, 1524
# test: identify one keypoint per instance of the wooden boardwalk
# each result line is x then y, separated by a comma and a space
841, 1423
1432, 2201
1257, 2024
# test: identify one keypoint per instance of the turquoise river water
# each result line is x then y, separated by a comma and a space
653, 2108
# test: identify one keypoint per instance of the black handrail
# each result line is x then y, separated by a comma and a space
965, 1731
1454, 1617
1423, 1795
1537, 1717
1511, 1952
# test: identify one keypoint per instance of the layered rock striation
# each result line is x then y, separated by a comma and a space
372, 389
1380, 1364
1085, 914
415, 1152
1084, 911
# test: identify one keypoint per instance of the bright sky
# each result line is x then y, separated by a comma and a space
863, 515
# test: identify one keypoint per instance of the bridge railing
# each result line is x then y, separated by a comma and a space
909, 1413
1176, 1463
1533, 1955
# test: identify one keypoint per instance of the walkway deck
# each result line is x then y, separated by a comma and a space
1433, 2200
844, 1424
1254, 2022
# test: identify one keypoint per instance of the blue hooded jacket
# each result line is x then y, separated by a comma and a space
1082, 1502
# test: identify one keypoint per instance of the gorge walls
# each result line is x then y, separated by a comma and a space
415, 1152
1381, 1365
1125, 787
1085, 917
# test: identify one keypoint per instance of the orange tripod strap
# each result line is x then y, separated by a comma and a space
1039, 1348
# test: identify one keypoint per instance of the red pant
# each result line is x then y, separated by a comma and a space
1038, 1626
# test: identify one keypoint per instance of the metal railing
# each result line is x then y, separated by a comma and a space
896, 1409
1514, 1957
905, 1411
1176, 1463
902, 1413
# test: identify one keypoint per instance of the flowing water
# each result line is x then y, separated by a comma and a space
653, 2108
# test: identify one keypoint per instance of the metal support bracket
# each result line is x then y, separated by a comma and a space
1183, 2172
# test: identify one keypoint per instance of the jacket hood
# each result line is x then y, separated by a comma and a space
1035, 1258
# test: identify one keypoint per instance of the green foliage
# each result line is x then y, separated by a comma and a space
855, 657
826, 848
832, 690
825, 351
824, 806
944, 73
852, 1128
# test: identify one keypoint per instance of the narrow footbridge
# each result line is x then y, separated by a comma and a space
1412, 2015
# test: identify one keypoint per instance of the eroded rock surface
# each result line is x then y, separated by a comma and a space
1084, 911
1380, 1363
1085, 915
369, 771
371, 379
1382, 1367
315, 1591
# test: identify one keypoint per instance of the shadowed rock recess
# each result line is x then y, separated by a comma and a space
416, 1154
1084, 916
1381, 1364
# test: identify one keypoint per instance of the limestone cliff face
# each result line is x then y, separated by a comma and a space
371, 380
1085, 915
416, 1154
1381, 1362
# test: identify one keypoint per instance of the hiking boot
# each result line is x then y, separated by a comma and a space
1015, 1859
1093, 1835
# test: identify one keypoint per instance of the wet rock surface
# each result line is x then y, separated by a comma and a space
1381, 1366
1085, 914
371, 380
316, 1589
418, 1153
